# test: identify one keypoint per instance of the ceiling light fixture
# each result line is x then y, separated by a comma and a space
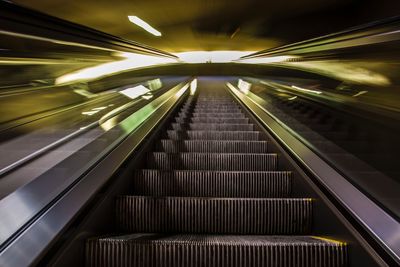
144, 25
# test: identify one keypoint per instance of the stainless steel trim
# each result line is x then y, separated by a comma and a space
372, 33
381, 226
58, 195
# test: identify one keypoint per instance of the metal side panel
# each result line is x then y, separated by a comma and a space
379, 224
33, 236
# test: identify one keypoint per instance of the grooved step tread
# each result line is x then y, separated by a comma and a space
214, 135
202, 111
157, 250
195, 109
214, 146
214, 120
213, 126
212, 183
214, 215
213, 115
213, 161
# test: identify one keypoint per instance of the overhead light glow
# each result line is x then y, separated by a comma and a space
211, 56
131, 61
144, 25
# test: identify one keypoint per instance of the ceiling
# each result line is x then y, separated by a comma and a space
247, 25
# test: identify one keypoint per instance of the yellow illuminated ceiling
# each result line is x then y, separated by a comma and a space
206, 25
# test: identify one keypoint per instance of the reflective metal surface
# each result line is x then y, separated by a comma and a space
359, 65
381, 225
35, 214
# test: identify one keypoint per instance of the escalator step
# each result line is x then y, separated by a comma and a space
212, 183
212, 161
155, 250
236, 111
216, 109
214, 120
190, 115
214, 146
213, 126
214, 135
216, 115
214, 215
215, 104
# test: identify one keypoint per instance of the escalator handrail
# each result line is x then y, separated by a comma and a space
27, 240
377, 222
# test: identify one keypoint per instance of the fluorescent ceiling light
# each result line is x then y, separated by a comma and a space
144, 25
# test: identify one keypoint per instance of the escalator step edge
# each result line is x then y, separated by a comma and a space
157, 250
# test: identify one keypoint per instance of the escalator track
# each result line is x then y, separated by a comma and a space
212, 194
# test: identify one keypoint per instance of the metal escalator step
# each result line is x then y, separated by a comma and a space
219, 115
215, 109
238, 111
211, 115
155, 250
212, 161
214, 135
216, 106
212, 183
213, 126
214, 120
213, 146
213, 215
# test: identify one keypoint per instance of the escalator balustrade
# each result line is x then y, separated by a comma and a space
213, 195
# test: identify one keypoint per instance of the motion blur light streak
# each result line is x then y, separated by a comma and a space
84, 93
193, 87
108, 124
136, 61
350, 71
147, 97
306, 90
132, 61
135, 92
360, 93
244, 86
144, 25
100, 108
266, 60
154, 84
90, 113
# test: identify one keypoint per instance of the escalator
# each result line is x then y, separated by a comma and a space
212, 193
